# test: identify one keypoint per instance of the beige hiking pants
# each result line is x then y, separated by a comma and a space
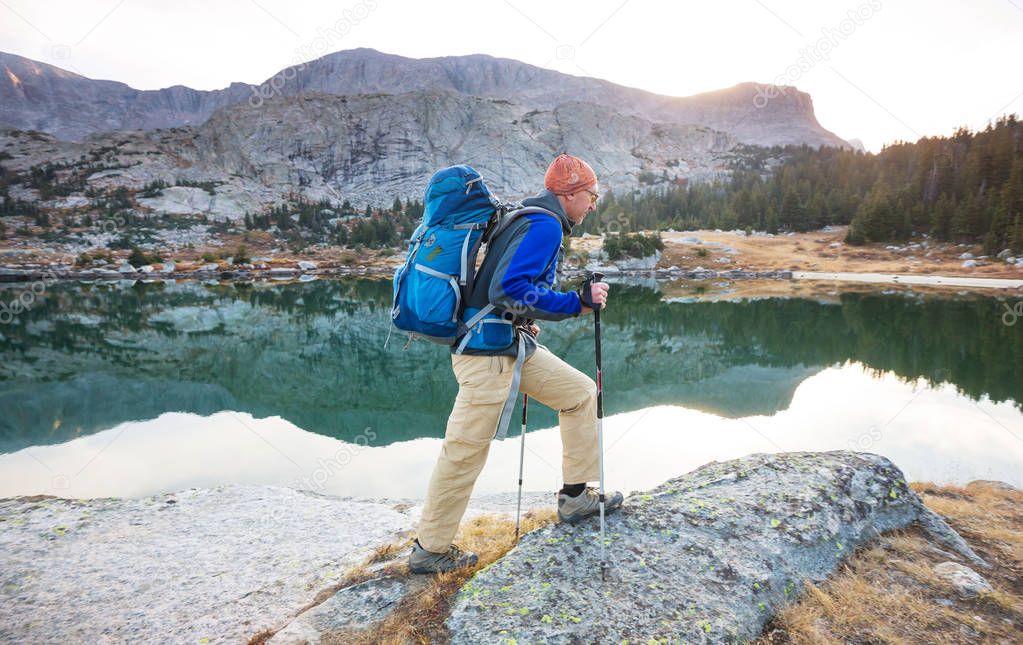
484, 382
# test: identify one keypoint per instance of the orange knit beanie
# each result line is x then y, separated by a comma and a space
568, 174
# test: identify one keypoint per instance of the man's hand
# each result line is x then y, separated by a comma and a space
598, 294
534, 329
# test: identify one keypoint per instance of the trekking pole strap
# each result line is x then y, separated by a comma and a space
513, 394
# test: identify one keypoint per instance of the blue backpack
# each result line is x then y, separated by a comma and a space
430, 287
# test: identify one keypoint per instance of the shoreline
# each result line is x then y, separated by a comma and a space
11, 275
815, 257
911, 279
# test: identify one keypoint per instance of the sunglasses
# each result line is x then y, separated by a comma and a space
593, 196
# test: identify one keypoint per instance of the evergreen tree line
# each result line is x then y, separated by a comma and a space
8, 205
963, 188
375, 228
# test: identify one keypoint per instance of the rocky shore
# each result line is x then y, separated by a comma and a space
709, 556
203, 565
309, 270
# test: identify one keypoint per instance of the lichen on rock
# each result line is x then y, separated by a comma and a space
705, 557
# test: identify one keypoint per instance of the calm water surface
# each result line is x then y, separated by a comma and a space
131, 388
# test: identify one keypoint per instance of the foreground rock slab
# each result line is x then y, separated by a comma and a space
198, 566
357, 608
203, 565
706, 557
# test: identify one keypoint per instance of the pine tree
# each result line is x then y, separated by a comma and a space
1016, 234
941, 216
771, 221
791, 213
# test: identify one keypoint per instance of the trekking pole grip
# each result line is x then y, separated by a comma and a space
586, 292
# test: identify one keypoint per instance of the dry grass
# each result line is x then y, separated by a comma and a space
388, 551
812, 251
889, 593
885, 593
356, 575
420, 616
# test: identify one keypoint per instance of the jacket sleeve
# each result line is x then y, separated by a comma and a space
513, 288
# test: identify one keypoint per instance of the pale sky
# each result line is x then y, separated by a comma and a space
892, 70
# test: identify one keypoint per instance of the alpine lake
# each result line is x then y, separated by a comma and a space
132, 388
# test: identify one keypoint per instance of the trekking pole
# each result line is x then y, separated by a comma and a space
597, 277
522, 456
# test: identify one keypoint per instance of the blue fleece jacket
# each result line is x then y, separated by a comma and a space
519, 273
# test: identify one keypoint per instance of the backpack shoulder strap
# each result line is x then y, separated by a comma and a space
502, 226
514, 215
497, 225
489, 236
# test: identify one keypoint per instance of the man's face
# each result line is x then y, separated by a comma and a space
579, 204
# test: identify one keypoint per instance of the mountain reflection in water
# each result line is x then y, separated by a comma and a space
309, 358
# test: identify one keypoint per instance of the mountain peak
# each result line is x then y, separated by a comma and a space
44, 97
22, 66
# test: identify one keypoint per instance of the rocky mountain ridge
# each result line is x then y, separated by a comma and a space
365, 148
39, 96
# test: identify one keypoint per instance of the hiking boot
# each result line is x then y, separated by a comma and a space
423, 561
573, 509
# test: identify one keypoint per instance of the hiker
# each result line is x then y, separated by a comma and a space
519, 276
